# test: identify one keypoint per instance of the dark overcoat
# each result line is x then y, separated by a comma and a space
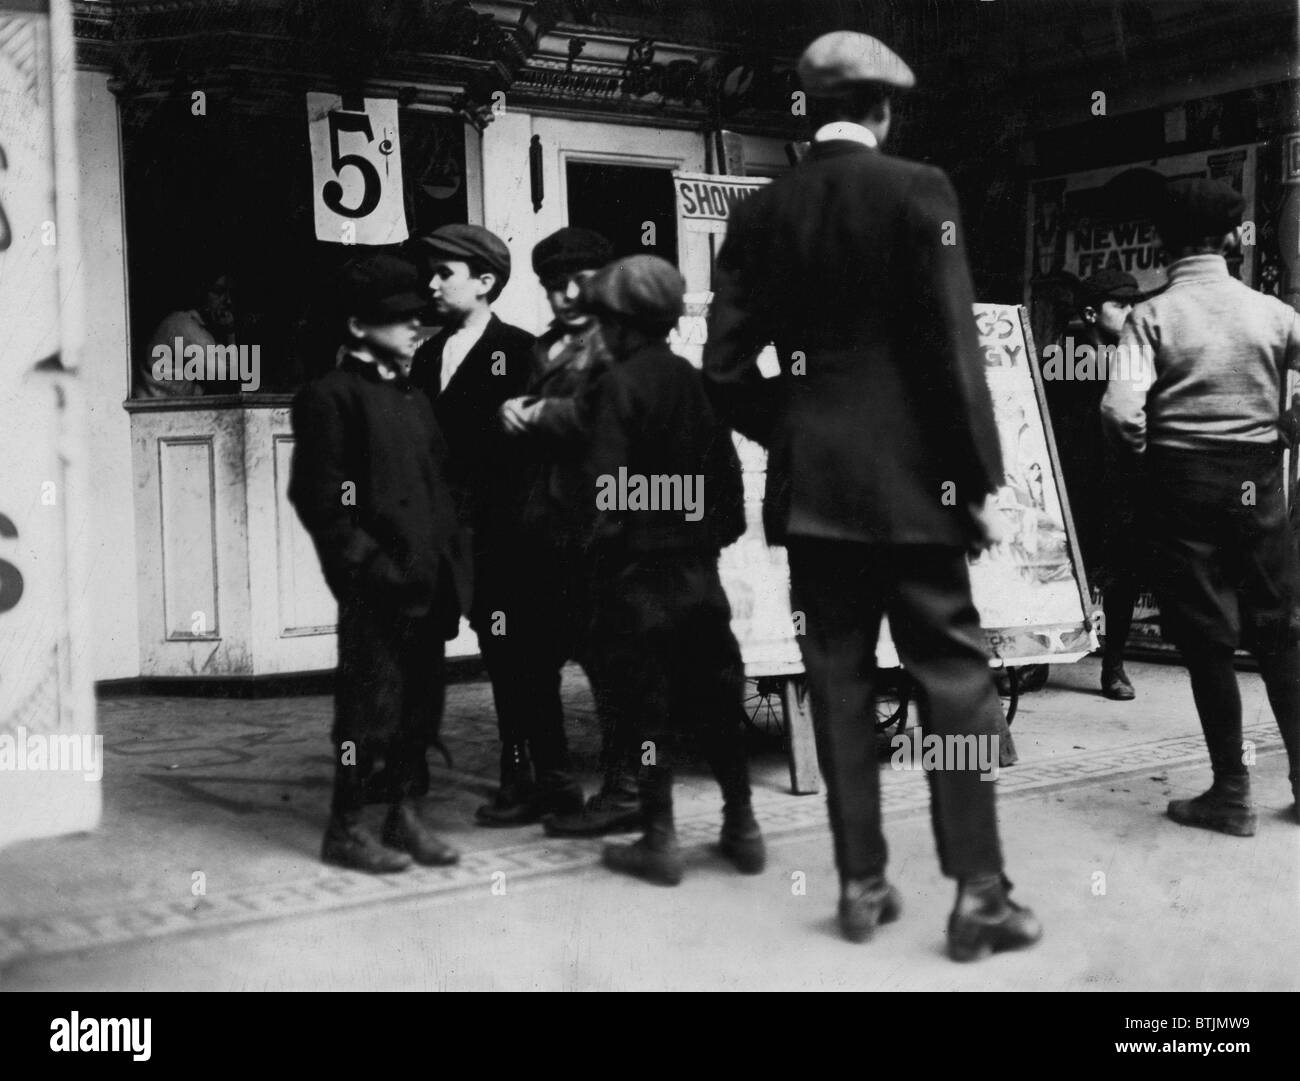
368, 479
854, 265
652, 419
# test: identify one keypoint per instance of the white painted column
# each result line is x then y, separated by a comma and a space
105, 522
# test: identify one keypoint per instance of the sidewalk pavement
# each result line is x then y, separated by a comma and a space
204, 873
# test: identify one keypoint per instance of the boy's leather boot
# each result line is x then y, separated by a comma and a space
1225, 807
349, 844
404, 830
616, 808
741, 841
1115, 682
516, 788
656, 856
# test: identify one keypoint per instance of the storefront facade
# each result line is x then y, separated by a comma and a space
526, 116
192, 134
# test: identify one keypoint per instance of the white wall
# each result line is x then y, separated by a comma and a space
108, 530
507, 191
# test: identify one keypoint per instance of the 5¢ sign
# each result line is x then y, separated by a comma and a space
356, 170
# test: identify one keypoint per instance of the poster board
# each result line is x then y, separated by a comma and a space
50, 756
1031, 591
1069, 228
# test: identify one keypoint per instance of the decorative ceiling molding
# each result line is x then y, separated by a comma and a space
442, 54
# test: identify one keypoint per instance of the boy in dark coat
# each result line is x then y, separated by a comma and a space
668, 497
469, 368
368, 481
552, 426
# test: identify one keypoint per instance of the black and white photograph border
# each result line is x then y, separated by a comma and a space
468, 465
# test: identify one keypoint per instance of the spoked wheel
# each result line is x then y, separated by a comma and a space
893, 695
762, 705
1008, 682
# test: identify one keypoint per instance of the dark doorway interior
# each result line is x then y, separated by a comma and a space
618, 200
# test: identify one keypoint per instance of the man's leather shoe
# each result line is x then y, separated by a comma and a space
741, 841
1115, 683
865, 903
655, 859
349, 844
985, 920
404, 830
602, 814
1225, 807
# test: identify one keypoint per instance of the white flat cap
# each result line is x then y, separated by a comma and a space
832, 64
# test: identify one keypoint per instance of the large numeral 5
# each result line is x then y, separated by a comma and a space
11, 579
332, 193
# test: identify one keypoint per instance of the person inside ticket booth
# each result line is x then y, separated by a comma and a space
203, 317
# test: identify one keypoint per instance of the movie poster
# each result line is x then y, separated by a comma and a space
1071, 230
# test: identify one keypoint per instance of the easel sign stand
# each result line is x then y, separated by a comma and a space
1030, 590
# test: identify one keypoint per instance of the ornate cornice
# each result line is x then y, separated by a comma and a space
440, 54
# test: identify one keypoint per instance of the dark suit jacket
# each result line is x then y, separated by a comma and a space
393, 545
842, 264
486, 468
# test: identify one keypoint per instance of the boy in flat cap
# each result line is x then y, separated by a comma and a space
551, 425
1100, 482
668, 497
368, 480
1206, 416
473, 365
847, 265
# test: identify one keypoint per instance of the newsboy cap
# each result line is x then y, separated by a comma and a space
568, 250
832, 64
465, 242
1195, 207
1110, 285
642, 289
380, 289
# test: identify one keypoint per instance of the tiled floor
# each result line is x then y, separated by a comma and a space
232, 795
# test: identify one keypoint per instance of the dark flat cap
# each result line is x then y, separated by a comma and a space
1110, 285
834, 63
380, 289
569, 250
463, 242
1195, 207
643, 289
